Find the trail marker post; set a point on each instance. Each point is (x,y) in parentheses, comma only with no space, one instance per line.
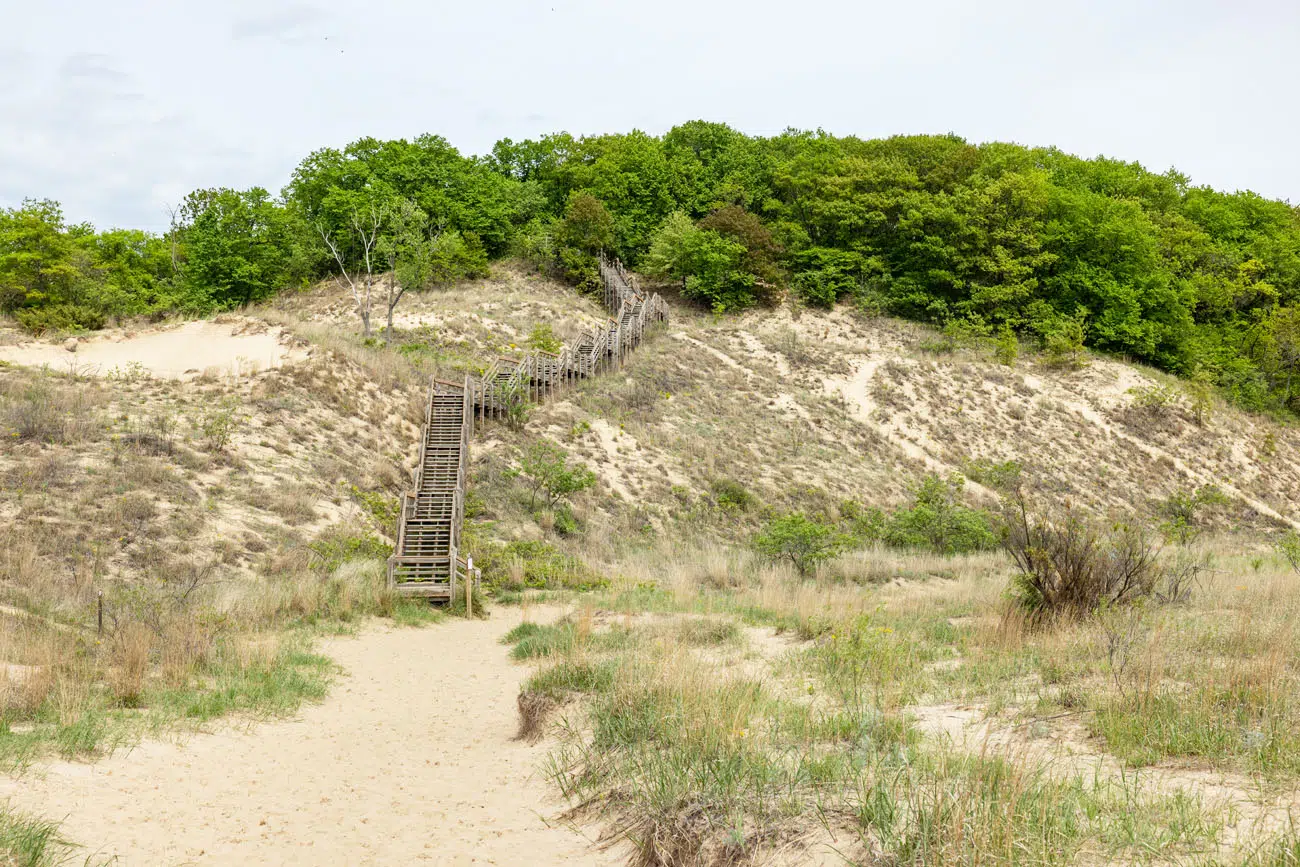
(469,586)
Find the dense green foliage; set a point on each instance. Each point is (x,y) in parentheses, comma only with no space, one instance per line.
(63,277)
(998,238)
(935,520)
(547,470)
(798,540)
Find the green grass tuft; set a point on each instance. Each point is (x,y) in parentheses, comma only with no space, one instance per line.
(27,842)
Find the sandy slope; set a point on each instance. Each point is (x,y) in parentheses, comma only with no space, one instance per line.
(189,348)
(409,760)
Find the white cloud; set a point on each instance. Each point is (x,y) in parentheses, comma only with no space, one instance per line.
(290,25)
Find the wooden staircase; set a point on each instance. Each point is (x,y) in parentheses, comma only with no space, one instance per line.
(426,561)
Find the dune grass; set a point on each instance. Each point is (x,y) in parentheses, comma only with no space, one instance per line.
(701,753)
(28,842)
(694,761)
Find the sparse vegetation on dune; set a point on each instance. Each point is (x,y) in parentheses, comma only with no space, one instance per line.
(167,545)
(711,753)
(802,615)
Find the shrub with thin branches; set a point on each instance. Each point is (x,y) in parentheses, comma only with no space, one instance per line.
(1071,567)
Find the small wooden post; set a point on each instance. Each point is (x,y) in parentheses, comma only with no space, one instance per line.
(101,612)
(469,586)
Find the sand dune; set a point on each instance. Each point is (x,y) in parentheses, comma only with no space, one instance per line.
(190,348)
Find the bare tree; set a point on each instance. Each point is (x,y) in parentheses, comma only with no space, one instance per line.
(409,250)
(364,225)
(173,235)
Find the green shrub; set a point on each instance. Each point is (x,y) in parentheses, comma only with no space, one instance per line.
(865,524)
(1000,476)
(799,540)
(938,522)
(1068,566)
(1289,547)
(543,337)
(1154,397)
(534,243)
(1183,509)
(383,507)
(535,564)
(59,318)
(1063,345)
(546,468)
(731,495)
(964,333)
(818,288)
(218,423)
(565,522)
(1200,394)
(337,545)
(1006,348)
(579,268)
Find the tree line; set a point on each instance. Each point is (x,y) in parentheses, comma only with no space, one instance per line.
(993,238)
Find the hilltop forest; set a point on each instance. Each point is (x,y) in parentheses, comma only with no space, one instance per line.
(993,239)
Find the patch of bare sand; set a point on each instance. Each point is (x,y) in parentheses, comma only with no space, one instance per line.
(410,760)
(190,348)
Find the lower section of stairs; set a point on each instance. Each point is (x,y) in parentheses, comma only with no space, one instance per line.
(426,562)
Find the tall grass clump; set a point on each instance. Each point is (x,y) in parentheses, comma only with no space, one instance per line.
(674,761)
(37,408)
(28,842)
(959,808)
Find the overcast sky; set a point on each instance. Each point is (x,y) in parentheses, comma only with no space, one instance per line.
(117,109)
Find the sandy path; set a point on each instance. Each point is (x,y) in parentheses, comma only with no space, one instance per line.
(409,760)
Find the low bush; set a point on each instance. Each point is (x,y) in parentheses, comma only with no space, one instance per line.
(1183,511)
(1289,547)
(543,337)
(338,545)
(799,540)
(1154,397)
(1071,567)
(59,318)
(731,495)
(546,469)
(938,522)
(1063,345)
(217,424)
(534,564)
